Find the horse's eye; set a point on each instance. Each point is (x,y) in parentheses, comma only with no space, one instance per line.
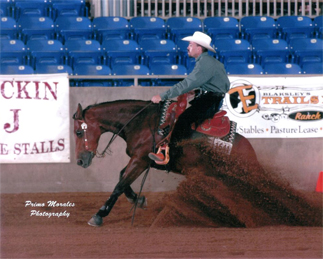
(79,134)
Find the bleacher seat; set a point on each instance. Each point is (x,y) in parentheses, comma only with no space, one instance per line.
(83,52)
(143,28)
(306,50)
(180,27)
(92,70)
(282,68)
(221,27)
(13,52)
(167,69)
(73,28)
(8,28)
(45,52)
(40,8)
(16,70)
(53,69)
(270,51)
(110,28)
(121,51)
(313,68)
(233,51)
(291,27)
(125,70)
(158,51)
(6,8)
(68,8)
(258,27)
(244,69)
(36,28)
(318,26)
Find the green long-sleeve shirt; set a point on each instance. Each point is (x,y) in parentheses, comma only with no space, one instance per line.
(208,74)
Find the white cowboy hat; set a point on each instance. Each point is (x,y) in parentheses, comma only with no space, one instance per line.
(201,39)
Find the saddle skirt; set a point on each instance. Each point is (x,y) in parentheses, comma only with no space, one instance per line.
(219,126)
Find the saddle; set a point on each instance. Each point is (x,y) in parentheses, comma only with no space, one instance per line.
(218,127)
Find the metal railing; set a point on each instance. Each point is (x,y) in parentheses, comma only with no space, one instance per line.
(205,8)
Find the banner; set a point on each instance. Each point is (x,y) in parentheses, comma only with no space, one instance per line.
(276,107)
(34,121)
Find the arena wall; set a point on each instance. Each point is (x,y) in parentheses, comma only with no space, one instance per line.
(299,161)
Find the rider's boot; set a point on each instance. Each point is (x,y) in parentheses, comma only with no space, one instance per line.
(156,157)
(159,156)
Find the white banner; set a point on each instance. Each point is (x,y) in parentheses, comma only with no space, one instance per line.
(34,121)
(276,107)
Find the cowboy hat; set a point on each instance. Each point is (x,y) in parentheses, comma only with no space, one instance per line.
(200,38)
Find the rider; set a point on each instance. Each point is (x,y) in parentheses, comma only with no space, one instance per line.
(208,79)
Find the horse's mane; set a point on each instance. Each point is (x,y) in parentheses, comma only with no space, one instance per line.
(141,102)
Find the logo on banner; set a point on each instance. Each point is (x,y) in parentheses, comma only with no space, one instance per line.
(276,107)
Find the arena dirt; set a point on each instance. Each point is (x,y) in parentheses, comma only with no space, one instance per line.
(225,209)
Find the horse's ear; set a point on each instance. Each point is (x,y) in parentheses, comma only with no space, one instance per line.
(79,113)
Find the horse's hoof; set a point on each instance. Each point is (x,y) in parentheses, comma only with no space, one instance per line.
(142,202)
(95,221)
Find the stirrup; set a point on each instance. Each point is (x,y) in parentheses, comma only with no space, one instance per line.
(165,148)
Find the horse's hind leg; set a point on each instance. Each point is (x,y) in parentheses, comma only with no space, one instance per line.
(132,196)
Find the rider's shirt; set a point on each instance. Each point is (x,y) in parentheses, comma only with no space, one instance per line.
(208,74)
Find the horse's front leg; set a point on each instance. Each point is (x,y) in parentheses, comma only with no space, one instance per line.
(133,170)
(132,196)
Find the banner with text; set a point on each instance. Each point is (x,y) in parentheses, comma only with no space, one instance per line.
(35,119)
(276,107)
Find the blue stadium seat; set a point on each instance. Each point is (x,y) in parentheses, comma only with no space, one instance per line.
(313,68)
(40,8)
(158,51)
(83,52)
(124,70)
(92,70)
(68,8)
(6,8)
(36,28)
(73,28)
(167,69)
(143,28)
(13,52)
(121,51)
(16,70)
(221,27)
(233,51)
(110,28)
(180,27)
(291,27)
(45,52)
(270,51)
(9,29)
(306,50)
(258,27)
(282,68)
(54,69)
(244,69)
(318,26)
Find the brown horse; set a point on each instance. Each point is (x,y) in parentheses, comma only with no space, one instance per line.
(136,122)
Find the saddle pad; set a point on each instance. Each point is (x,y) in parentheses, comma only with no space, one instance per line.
(218,126)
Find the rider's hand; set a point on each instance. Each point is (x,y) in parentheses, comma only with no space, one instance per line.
(156,99)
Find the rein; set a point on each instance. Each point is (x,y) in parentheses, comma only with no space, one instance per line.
(115,135)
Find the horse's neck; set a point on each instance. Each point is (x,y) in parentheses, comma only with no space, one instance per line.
(114,116)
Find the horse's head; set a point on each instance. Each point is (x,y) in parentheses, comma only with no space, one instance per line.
(87,134)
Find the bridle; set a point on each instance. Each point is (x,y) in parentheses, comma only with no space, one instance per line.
(84,128)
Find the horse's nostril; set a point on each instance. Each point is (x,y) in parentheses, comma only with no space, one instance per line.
(79,162)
